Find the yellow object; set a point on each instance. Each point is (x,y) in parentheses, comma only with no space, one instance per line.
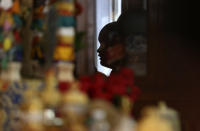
(35,104)
(2,17)
(50,94)
(2,118)
(6,16)
(66,6)
(74,108)
(65,72)
(9,17)
(64,53)
(74,96)
(66,39)
(126,105)
(34,109)
(154,124)
(159,118)
(7,44)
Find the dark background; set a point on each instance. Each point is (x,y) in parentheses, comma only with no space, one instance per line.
(173,60)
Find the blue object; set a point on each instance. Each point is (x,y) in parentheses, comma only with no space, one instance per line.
(17,20)
(16,53)
(66,21)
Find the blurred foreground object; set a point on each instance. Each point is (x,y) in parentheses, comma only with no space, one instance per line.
(126,123)
(102,116)
(159,118)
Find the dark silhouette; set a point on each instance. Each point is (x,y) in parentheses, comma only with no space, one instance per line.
(114,38)
(111,50)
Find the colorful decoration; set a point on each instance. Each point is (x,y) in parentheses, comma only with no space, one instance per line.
(10,25)
(65,33)
(64,56)
(11,98)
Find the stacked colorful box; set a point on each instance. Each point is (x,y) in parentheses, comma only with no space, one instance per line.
(65,47)
(64,50)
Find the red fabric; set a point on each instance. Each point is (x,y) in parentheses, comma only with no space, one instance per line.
(63,86)
(65,44)
(65,13)
(79,8)
(117,84)
(17,36)
(85,83)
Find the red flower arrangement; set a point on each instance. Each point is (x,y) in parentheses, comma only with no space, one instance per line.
(111,88)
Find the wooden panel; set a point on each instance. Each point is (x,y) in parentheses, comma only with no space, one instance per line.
(173,61)
(85,58)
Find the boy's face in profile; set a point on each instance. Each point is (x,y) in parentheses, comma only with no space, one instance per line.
(111,48)
(110,54)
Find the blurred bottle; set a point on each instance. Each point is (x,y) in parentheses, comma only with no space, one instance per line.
(126,123)
(159,118)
